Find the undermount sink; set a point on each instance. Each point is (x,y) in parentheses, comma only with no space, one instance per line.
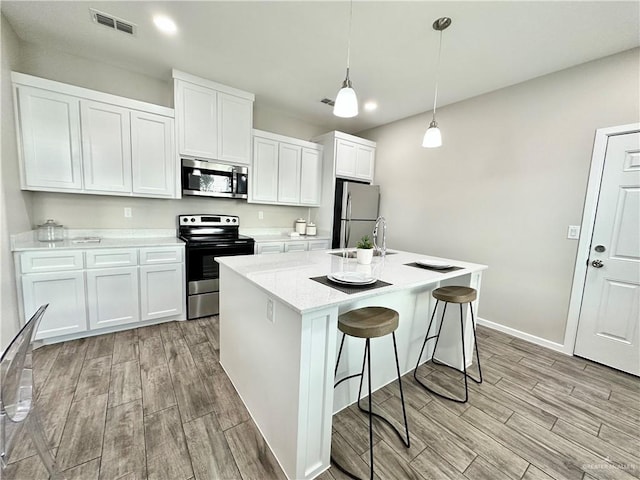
(352,253)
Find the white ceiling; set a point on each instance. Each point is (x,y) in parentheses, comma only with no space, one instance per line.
(293,54)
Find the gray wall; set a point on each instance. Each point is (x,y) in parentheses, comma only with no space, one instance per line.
(509,179)
(15,205)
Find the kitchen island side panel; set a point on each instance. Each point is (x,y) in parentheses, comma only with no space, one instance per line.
(282,370)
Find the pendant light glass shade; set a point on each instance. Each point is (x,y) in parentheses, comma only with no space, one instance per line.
(346,105)
(432,137)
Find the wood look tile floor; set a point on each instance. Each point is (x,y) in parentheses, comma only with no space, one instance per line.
(154,403)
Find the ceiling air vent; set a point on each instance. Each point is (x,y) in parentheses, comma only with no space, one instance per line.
(113,22)
(328,101)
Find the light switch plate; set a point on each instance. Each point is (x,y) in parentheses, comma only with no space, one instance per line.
(573,232)
(127,212)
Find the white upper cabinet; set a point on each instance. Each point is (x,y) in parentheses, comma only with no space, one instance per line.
(353,157)
(346,154)
(310,176)
(49,128)
(264,178)
(354,160)
(197,120)
(213,121)
(289,158)
(81,141)
(364,162)
(106,147)
(153,157)
(285,170)
(235,121)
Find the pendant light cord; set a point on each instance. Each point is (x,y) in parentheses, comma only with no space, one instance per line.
(349,37)
(435,95)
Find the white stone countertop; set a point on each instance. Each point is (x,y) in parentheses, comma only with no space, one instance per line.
(281,234)
(109,238)
(287,238)
(286,276)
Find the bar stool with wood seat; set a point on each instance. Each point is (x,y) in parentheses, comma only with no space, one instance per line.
(368,323)
(459,295)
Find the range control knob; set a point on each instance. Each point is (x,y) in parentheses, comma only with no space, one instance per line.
(193,219)
(228,220)
(235,220)
(185,220)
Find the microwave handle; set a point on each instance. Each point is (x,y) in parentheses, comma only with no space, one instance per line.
(234,180)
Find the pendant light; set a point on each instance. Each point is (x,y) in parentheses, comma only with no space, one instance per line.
(433,137)
(346,105)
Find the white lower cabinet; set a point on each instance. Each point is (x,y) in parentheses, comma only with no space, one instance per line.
(295,246)
(112,296)
(158,296)
(65,294)
(101,288)
(319,245)
(291,246)
(269,247)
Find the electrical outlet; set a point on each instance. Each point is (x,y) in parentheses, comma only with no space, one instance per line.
(270,308)
(127,212)
(574,232)
(260,215)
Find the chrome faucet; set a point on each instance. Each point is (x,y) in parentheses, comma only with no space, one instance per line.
(382,250)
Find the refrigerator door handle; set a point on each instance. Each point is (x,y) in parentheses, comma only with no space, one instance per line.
(347,233)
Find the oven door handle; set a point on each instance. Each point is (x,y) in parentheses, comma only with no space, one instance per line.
(220,246)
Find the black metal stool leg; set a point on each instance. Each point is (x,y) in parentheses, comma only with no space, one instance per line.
(366,363)
(435,347)
(368,347)
(335,372)
(464,359)
(338,362)
(407,442)
(475,343)
(426,339)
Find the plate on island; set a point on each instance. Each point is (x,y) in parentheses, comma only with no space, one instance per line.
(351,278)
(433,264)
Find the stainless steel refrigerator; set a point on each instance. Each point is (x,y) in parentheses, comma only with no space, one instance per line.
(355,211)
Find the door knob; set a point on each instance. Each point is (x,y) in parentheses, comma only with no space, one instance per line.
(599,248)
(597,264)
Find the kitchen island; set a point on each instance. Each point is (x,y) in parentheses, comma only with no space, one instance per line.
(279,337)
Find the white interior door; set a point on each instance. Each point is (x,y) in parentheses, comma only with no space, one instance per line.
(609,325)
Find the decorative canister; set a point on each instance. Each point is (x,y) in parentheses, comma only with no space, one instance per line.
(50,231)
(301,226)
(311,229)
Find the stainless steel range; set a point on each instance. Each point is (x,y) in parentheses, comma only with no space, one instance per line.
(207,237)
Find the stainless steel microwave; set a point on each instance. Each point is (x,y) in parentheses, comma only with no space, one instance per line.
(214,179)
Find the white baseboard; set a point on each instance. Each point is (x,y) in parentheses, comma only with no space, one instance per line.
(558,347)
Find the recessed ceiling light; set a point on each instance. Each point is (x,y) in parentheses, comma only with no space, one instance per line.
(370,106)
(165,24)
